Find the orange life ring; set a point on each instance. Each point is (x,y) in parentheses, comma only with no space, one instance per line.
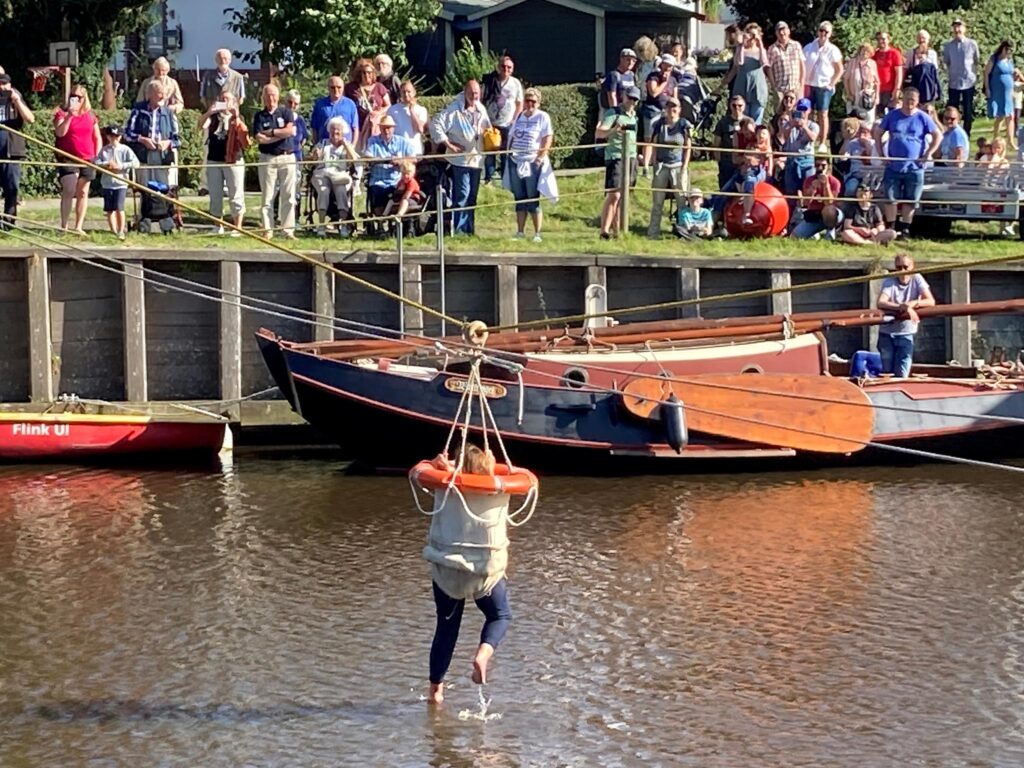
(514,482)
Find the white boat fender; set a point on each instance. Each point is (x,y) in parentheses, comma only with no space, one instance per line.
(673,417)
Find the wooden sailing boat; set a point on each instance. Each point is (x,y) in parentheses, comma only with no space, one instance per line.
(752,387)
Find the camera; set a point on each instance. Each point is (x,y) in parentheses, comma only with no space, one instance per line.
(629,127)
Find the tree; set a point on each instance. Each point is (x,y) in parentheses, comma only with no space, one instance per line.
(803,16)
(27,28)
(297,36)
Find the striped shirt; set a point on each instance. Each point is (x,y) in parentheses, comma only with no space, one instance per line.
(784,64)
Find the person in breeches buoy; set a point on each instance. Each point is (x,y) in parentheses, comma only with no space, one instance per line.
(468,554)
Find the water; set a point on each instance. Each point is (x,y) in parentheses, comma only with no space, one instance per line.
(278,614)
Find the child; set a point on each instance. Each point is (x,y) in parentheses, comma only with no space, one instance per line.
(468,560)
(408,190)
(695,220)
(119,160)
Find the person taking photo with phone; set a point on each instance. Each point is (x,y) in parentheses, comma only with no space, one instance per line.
(78,133)
(14,113)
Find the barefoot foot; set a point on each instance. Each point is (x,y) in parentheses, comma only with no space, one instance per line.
(436,695)
(483,657)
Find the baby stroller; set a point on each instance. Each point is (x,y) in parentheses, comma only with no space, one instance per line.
(434,182)
(159,211)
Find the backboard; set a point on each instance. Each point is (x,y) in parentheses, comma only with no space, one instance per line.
(64,54)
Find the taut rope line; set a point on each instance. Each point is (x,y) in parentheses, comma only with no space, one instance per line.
(247,233)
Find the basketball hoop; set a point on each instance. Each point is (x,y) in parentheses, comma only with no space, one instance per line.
(40,76)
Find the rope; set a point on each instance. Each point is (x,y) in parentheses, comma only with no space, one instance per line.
(756,293)
(228,225)
(813,433)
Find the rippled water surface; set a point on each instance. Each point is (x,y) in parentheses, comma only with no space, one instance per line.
(278,613)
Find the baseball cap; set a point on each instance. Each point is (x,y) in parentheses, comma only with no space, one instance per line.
(958,22)
(632,93)
(667,58)
(804,105)
(782,25)
(695,192)
(111,130)
(387,120)
(628,52)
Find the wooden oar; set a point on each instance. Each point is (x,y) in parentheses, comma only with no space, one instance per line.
(763,409)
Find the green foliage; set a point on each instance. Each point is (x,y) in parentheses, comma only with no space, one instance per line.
(27,27)
(41,180)
(988,22)
(468,63)
(803,16)
(297,34)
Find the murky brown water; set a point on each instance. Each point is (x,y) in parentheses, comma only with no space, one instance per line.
(278,614)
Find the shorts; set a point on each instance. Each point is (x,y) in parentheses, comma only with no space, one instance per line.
(82,171)
(613,174)
(113,199)
(903,185)
(820,98)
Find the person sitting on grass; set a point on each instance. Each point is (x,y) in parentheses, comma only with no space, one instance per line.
(694,221)
(483,581)
(406,193)
(120,161)
(863,222)
(818,200)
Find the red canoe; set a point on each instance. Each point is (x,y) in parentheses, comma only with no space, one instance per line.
(70,436)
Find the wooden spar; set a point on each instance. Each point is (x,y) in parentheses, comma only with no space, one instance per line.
(766,409)
(669,330)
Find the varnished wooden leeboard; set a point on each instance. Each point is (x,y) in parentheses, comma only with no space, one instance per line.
(807,413)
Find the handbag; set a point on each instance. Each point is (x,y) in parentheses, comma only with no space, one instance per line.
(491,139)
(866,98)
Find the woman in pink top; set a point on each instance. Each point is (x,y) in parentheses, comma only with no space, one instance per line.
(78,134)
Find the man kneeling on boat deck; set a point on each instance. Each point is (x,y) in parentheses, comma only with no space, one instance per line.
(902,295)
(468,556)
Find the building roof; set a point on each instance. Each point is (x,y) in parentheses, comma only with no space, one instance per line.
(452,8)
(597,7)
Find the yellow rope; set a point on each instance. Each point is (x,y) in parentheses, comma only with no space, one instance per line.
(247,233)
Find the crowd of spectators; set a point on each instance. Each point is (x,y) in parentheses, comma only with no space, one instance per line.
(367,132)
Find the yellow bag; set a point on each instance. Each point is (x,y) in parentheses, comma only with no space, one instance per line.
(491,140)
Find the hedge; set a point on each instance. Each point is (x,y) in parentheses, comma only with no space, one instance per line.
(41,180)
(988,22)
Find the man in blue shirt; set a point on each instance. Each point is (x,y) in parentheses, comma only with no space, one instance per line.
(618,80)
(913,139)
(390,150)
(335,104)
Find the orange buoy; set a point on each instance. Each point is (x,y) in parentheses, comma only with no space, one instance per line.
(511,481)
(770,213)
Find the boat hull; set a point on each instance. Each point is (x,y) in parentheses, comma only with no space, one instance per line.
(387,415)
(72,436)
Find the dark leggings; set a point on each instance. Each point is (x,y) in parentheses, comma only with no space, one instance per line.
(449,617)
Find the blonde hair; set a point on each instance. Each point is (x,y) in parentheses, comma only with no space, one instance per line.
(408,166)
(478,461)
(532,93)
(867,49)
(925,34)
(645,48)
(84,95)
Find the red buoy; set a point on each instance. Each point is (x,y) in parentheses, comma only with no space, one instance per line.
(770,213)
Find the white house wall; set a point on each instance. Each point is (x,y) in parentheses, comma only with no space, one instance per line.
(204,31)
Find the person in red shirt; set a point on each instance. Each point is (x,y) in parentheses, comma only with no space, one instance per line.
(407,192)
(818,198)
(890,73)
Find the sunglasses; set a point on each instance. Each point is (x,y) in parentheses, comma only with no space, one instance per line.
(529,101)
(820,167)
(735,103)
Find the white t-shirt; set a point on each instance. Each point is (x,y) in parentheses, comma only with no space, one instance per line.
(526,134)
(820,64)
(503,108)
(404,127)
